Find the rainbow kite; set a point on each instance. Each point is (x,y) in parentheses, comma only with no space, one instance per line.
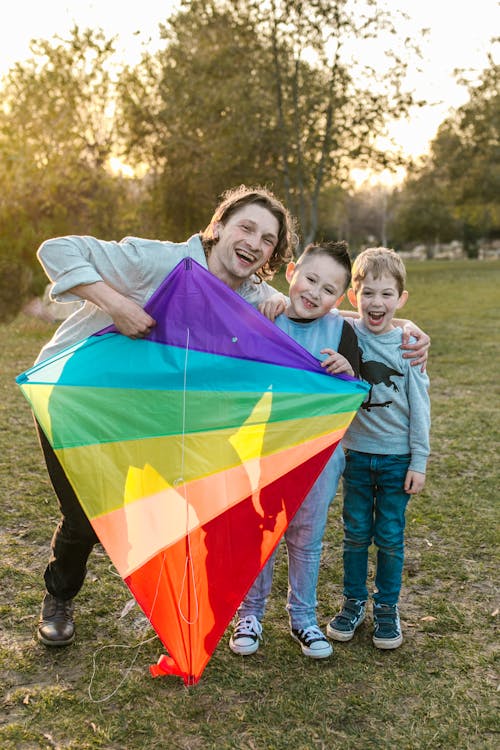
(190,451)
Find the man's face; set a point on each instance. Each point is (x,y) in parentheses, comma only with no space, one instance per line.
(245,242)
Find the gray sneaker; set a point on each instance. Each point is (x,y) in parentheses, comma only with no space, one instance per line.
(246,636)
(343,625)
(387,626)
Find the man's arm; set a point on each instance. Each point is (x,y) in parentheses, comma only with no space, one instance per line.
(128,317)
(418,350)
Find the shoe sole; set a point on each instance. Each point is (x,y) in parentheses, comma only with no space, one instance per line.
(339,635)
(387,643)
(243,650)
(55,644)
(310,652)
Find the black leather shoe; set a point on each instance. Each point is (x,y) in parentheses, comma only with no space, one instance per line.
(56,626)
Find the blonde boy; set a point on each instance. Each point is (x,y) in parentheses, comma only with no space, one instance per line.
(387,446)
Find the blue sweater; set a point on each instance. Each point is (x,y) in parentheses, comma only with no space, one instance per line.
(395,418)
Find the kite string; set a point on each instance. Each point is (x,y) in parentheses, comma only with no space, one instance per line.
(126,673)
(119,645)
(188,566)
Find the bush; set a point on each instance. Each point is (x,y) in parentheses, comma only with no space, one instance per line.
(15,286)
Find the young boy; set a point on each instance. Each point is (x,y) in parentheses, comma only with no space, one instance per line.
(387,446)
(318,281)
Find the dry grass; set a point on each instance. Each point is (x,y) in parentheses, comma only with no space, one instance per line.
(439,690)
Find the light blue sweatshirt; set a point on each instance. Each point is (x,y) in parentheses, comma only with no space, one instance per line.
(314,335)
(134,267)
(395,418)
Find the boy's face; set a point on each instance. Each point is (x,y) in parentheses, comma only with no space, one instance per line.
(377,301)
(317,285)
(245,242)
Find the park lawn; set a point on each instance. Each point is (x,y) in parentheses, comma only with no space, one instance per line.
(439,690)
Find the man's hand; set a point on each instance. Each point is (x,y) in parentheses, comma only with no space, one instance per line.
(128,317)
(418,351)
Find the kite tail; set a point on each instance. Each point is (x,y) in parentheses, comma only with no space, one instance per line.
(166,666)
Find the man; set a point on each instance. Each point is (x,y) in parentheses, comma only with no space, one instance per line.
(249,237)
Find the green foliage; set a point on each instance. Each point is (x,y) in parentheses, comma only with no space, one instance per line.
(454,195)
(15,286)
(439,690)
(199,114)
(259,93)
(56,135)
(421,211)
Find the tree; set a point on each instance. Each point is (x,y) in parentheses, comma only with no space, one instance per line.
(331,106)
(454,192)
(466,154)
(260,92)
(197,114)
(56,136)
(420,210)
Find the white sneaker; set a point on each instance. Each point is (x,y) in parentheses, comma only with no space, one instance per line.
(313,642)
(246,636)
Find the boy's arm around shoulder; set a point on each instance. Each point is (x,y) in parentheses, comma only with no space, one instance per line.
(416,348)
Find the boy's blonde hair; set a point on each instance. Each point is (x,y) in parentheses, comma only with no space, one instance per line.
(378,261)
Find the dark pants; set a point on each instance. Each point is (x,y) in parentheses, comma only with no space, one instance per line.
(74,536)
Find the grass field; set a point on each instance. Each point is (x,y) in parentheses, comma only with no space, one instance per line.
(439,690)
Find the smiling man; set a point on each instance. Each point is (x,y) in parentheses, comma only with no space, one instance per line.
(249,236)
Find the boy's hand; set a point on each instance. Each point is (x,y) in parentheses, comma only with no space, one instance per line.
(419,350)
(335,363)
(414,482)
(273,306)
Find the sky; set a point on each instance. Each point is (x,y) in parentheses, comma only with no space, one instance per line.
(459,37)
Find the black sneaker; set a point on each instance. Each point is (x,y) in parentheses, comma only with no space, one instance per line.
(387,632)
(56,626)
(246,636)
(343,625)
(312,642)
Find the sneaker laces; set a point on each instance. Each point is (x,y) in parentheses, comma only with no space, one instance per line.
(248,626)
(311,634)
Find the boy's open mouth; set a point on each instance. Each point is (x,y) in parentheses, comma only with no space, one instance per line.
(376,317)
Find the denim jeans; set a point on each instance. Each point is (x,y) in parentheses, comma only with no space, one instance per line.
(374,511)
(304,541)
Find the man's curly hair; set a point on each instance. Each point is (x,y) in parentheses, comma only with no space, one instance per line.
(236,198)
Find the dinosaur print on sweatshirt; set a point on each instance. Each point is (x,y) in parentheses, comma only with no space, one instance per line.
(375,373)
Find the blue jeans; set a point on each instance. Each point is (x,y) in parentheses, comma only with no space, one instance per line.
(304,541)
(374,511)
